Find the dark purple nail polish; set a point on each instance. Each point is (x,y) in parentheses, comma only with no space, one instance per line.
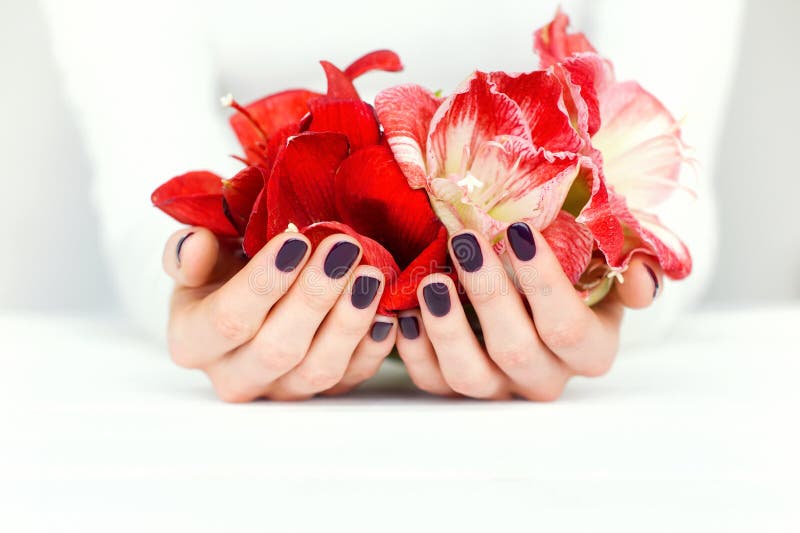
(654,278)
(409,327)
(290,254)
(180,245)
(340,259)
(364,290)
(521,240)
(380,330)
(468,251)
(437,298)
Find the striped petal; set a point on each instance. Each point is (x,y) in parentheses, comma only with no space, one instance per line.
(572,244)
(405,112)
(468,119)
(553,43)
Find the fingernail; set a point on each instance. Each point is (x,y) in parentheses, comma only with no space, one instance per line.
(467,251)
(655,280)
(180,245)
(521,240)
(437,298)
(380,330)
(364,290)
(409,327)
(340,259)
(290,254)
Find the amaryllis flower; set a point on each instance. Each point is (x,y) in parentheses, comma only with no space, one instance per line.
(636,147)
(500,150)
(315,162)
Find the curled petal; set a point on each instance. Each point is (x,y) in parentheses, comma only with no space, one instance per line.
(340,84)
(584,77)
(590,198)
(255,235)
(571,243)
(372,252)
(301,188)
(641,145)
(467,120)
(645,233)
(553,43)
(265,117)
(539,96)
(195,198)
(385,60)
(353,118)
(240,193)
(374,198)
(406,112)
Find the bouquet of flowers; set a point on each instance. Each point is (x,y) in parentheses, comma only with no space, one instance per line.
(566,148)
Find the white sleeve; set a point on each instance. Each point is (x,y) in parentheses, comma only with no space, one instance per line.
(684,52)
(143,86)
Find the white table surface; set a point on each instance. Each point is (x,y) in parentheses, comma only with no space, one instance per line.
(101,433)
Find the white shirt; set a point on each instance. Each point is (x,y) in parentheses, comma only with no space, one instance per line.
(145,79)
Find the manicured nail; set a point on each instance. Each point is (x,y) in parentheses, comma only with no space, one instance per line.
(290,254)
(437,298)
(467,251)
(521,240)
(364,290)
(654,278)
(180,245)
(409,327)
(340,259)
(380,330)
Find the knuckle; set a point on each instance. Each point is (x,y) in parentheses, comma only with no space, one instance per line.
(180,354)
(279,358)
(317,301)
(595,367)
(547,392)
(467,386)
(445,335)
(349,327)
(565,335)
(231,326)
(511,356)
(232,392)
(319,379)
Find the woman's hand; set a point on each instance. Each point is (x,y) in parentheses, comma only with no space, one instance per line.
(288,324)
(527,354)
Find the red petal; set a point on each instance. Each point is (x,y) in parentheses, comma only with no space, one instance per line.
(300,190)
(195,198)
(339,84)
(377,60)
(405,112)
(596,213)
(271,113)
(353,118)
(571,243)
(375,199)
(373,253)
(553,43)
(255,235)
(467,120)
(402,294)
(539,96)
(240,193)
(584,77)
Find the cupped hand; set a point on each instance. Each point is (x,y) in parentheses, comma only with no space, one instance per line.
(538,333)
(288,324)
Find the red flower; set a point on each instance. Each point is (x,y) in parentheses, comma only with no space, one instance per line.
(317,162)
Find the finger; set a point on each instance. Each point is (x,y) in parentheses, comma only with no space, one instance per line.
(190,256)
(337,338)
(564,322)
(285,337)
(369,355)
(203,331)
(417,354)
(509,334)
(641,284)
(465,366)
